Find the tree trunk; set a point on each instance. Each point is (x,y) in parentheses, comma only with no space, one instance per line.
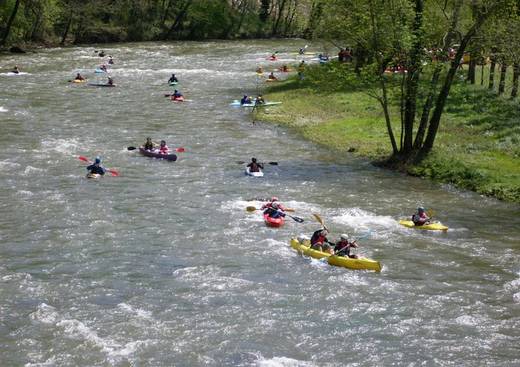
(516,76)
(502,83)
(384,105)
(67,29)
(281,8)
(179,19)
(482,73)
(472,67)
(10,23)
(412,79)
(492,66)
(445,90)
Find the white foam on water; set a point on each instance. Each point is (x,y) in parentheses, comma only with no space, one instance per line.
(15,74)
(45,314)
(30,170)
(51,362)
(364,220)
(63,146)
(282,362)
(2,109)
(467,320)
(5,165)
(139,312)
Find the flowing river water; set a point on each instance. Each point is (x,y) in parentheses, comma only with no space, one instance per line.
(162,266)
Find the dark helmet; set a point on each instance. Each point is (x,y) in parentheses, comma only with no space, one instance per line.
(253,160)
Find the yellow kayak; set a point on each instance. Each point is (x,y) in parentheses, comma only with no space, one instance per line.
(93,176)
(362,263)
(437,226)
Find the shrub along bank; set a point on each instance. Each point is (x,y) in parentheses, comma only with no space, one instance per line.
(477,147)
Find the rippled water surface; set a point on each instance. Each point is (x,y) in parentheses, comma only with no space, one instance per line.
(163,266)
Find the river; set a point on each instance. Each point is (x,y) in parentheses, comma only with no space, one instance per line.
(163,266)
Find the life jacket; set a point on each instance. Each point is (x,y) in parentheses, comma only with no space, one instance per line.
(164,150)
(317,237)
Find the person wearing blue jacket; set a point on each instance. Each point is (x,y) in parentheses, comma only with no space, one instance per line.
(96,167)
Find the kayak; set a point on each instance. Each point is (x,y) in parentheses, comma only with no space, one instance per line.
(169,157)
(270,58)
(284,71)
(273,222)
(254,174)
(271,80)
(236,103)
(437,226)
(361,263)
(78,81)
(100,71)
(173,83)
(101,85)
(93,176)
(178,99)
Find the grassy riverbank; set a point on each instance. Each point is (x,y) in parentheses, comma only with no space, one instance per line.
(477,147)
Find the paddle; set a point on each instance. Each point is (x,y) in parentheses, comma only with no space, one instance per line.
(252,208)
(112,171)
(320,220)
(271,163)
(296,219)
(179,150)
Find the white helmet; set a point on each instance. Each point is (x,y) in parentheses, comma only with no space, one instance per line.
(274,205)
(344,236)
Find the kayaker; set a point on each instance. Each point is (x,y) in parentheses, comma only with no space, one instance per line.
(259,99)
(320,242)
(15,70)
(96,167)
(79,77)
(254,166)
(272,77)
(173,79)
(245,100)
(284,69)
(110,81)
(177,96)
(259,70)
(301,51)
(101,54)
(420,218)
(274,210)
(274,200)
(110,60)
(103,67)
(272,57)
(344,245)
(149,144)
(163,148)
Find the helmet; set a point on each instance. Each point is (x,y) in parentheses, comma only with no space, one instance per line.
(253,160)
(324,232)
(274,205)
(97,160)
(163,142)
(274,198)
(420,209)
(344,236)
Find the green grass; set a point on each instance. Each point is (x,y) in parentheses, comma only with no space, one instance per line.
(477,147)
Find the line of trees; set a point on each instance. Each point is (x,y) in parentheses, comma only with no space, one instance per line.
(88,21)
(426,41)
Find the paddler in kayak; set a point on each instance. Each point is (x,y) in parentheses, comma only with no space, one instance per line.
(79,77)
(259,70)
(320,242)
(420,218)
(177,96)
(103,68)
(274,210)
(96,167)
(271,76)
(344,245)
(15,70)
(149,144)
(110,60)
(259,100)
(254,166)
(163,148)
(246,100)
(173,79)
(110,81)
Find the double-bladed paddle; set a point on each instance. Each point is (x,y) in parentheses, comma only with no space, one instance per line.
(296,219)
(271,163)
(179,150)
(112,171)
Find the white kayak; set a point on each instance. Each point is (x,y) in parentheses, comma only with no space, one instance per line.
(254,174)
(236,103)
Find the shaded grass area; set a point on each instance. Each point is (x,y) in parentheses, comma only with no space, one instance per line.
(477,147)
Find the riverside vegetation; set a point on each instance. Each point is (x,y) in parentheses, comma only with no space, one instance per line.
(477,147)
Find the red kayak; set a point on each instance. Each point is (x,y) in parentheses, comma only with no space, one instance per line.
(149,153)
(273,222)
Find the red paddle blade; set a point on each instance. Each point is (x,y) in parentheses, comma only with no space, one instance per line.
(180,150)
(84,159)
(113,172)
